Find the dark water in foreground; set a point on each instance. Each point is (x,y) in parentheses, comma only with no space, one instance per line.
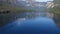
(39,25)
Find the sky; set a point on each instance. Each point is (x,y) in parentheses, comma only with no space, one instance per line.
(43,0)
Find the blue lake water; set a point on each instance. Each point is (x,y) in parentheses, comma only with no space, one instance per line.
(39,25)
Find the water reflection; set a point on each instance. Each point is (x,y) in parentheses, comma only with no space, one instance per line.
(37,25)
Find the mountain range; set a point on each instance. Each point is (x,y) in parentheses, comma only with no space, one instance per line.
(38,6)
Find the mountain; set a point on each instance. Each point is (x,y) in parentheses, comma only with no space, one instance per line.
(38,6)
